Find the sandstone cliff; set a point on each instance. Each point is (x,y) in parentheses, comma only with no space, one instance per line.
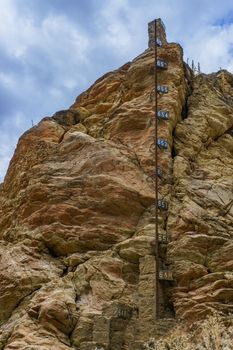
(77,212)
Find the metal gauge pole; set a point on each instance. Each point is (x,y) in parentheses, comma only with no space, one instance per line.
(156,179)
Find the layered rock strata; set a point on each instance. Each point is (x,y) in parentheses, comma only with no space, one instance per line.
(77,223)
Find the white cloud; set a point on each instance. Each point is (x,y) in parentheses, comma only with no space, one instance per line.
(62,45)
(53,50)
(193,23)
(212,48)
(116,20)
(7,80)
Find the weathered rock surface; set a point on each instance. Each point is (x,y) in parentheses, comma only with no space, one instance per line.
(77,212)
(201,214)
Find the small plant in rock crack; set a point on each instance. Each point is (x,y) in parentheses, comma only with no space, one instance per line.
(211,334)
(177,341)
(215,335)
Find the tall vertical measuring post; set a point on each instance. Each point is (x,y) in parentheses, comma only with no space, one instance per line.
(156,177)
(161,272)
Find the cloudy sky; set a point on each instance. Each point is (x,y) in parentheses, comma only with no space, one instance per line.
(52,50)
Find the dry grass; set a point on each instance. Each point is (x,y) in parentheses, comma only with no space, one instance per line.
(210,334)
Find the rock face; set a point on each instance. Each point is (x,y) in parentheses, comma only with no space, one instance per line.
(201,214)
(77,212)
